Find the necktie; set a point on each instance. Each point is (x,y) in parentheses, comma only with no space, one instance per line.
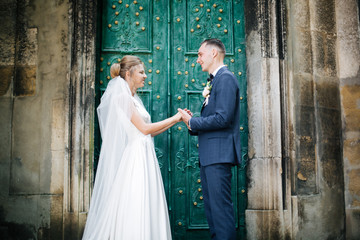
(211,77)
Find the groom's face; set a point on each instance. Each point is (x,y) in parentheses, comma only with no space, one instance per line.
(205,57)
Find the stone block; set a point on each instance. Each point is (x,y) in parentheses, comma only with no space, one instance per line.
(305,121)
(28,47)
(303,89)
(27,146)
(331,164)
(329,123)
(350,97)
(263,225)
(263,90)
(56,218)
(299,12)
(324,54)
(352,224)
(354,187)
(347,17)
(6,75)
(306,176)
(302,51)
(7,32)
(26,215)
(5,129)
(57,172)
(349,56)
(25,81)
(264,187)
(327,93)
(4,180)
(352,151)
(322,15)
(351,119)
(58,124)
(320,216)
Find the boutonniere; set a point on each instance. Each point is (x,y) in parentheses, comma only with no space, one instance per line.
(206,92)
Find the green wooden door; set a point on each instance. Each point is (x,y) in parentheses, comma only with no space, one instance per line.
(166,36)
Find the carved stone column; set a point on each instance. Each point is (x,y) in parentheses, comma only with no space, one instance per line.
(78,164)
(265,202)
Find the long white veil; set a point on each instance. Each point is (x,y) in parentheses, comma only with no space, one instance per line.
(114,113)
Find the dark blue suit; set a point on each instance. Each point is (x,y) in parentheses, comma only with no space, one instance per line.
(219,149)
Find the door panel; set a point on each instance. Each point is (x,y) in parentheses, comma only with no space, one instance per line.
(193,21)
(136,28)
(166,36)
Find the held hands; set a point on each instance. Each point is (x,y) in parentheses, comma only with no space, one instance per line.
(186,115)
(178,117)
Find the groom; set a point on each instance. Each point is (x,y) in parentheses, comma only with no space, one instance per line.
(219,138)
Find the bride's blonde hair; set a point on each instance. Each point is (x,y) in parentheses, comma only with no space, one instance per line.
(128,63)
(115,70)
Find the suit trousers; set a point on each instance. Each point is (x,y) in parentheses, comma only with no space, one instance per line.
(219,209)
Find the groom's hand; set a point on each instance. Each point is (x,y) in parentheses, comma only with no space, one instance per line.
(185,116)
(188,111)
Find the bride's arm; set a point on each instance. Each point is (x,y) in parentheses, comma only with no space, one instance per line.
(162,130)
(154,128)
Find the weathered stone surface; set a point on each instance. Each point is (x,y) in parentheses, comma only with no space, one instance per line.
(319,217)
(322,14)
(348,56)
(299,12)
(347,20)
(351,111)
(25,81)
(56,220)
(26,154)
(265,92)
(5,145)
(6,75)
(27,47)
(268,220)
(324,54)
(264,192)
(332,167)
(7,32)
(329,124)
(304,87)
(302,60)
(350,97)
(352,151)
(327,93)
(352,224)
(354,187)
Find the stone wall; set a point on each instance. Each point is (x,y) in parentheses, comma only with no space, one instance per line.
(34,83)
(348,31)
(317,177)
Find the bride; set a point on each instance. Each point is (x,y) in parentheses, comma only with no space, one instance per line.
(128,201)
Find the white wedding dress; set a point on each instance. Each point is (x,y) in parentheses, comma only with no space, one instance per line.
(128,200)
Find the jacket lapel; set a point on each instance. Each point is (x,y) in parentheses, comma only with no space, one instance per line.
(221,70)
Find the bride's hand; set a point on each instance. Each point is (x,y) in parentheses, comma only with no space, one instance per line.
(178,117)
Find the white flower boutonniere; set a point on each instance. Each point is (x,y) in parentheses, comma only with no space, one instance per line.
(206,92)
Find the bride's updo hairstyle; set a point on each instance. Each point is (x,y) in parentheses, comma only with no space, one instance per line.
(128,63)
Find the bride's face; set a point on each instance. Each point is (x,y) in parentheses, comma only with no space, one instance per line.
(138,76)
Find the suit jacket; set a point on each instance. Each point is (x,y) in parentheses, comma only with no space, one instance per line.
(218,126)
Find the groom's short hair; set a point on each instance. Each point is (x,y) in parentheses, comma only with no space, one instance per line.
(214,42)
